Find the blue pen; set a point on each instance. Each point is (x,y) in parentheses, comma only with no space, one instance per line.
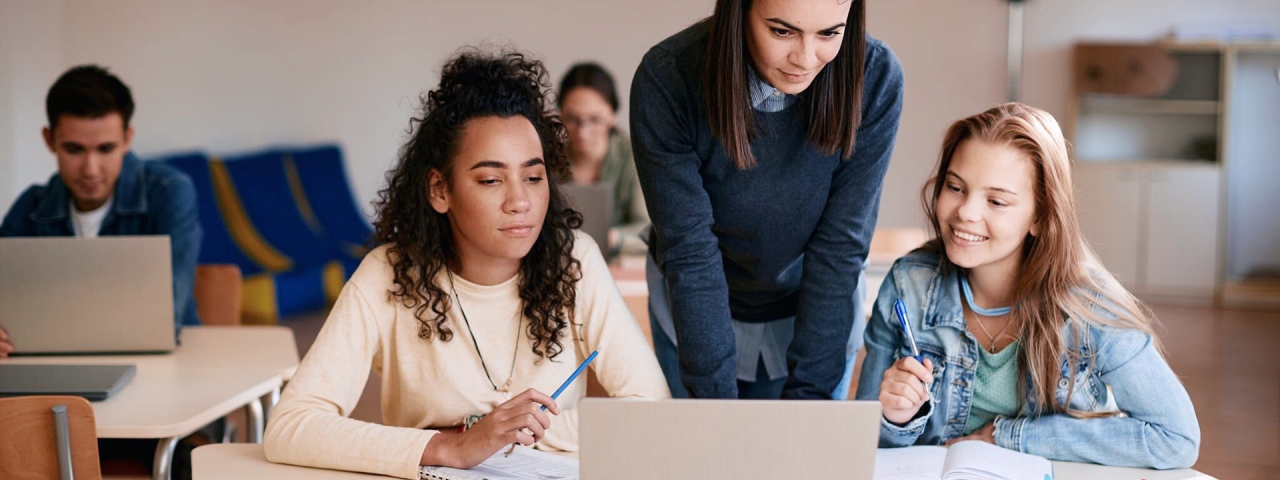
(575,375)
(901,309)
(562,387)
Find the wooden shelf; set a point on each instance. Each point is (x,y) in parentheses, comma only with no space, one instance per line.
(1149,106)
(1149,162)
(1257,47)
(1211,46)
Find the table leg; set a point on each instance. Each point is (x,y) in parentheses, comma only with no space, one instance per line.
(255,420)
(161,468)
(273,399)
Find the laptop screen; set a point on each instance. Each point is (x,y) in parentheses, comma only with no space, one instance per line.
(595,203)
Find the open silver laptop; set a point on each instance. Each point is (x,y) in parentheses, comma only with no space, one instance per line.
(626,439)
(87,295)
(595,203)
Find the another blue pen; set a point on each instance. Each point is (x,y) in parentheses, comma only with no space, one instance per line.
(901,309)
(575,375)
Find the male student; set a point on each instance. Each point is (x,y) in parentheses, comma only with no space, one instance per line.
(101,188)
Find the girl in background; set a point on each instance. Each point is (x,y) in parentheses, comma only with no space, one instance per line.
(600,153)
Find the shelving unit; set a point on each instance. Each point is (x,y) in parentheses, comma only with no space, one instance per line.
(1177,193)
(1147,106)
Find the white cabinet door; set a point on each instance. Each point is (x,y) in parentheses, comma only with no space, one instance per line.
(1109,199)
(1182,228)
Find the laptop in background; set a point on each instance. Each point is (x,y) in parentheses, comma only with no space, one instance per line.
(595,203)
(93,382)
(64,295)
(633,439)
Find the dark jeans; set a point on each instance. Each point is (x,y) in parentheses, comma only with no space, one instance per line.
(669,359)
(762,388)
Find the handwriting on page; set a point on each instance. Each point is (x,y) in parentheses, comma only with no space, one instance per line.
(526,463)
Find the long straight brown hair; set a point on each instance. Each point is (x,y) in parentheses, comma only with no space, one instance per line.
(1060,274)
(833,101)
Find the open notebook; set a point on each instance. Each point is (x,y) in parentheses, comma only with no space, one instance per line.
(972,460)
(524,463)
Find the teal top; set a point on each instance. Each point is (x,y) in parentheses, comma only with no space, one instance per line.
(995,387)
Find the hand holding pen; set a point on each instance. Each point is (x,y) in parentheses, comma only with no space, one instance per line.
(560,390)
(523,419)
(903,390)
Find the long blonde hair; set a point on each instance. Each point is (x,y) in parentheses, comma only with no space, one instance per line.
(1061,276)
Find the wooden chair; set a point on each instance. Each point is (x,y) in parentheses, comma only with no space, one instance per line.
(217,294)
(28,444)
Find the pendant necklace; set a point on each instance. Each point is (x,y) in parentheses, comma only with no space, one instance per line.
(979,312)
(505,386)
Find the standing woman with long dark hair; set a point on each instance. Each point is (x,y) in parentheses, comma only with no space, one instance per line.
(762,136)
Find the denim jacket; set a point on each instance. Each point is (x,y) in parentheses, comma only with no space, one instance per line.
(1158,426)
(150,198)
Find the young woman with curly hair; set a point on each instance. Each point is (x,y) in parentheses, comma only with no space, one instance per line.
(478,300)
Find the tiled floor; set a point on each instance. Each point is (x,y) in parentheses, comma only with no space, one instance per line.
(1224,357)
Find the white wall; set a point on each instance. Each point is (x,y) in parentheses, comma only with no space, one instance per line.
(954,55)
(31,58)
(231,76)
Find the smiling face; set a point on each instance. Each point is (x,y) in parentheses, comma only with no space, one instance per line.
(987,206)
(90,155)
(496,197)
(791,40)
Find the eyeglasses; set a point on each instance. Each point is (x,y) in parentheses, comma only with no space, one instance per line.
(588,122)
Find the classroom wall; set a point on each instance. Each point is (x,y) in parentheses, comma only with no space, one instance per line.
(31,58)
(230,76)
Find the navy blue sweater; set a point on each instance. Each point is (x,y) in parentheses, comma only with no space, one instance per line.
(786,238)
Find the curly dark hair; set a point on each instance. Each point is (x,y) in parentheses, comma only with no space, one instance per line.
(420,241)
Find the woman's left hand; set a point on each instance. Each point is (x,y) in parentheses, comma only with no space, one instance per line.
(986,434)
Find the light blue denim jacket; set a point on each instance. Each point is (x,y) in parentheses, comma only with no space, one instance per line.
(1158,427)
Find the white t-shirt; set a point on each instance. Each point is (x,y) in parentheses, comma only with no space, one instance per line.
(87,224)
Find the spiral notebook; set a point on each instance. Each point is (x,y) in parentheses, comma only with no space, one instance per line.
(972,460)
(524,463)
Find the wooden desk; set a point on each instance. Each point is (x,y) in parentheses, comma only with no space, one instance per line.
(215,371)
(236,461)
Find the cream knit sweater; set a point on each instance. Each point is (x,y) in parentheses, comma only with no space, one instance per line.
(430,384)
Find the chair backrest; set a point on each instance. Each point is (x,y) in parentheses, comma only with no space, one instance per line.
(217,293)
(28,444)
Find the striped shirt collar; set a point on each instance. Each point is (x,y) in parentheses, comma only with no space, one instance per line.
(765,98)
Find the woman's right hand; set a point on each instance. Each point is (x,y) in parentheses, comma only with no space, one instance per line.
(503,426)
(902,391)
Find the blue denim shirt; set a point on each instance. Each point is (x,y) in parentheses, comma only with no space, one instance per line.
(1158,426)
(150,198)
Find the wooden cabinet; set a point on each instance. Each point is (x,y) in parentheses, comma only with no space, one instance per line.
(1108,202)
(1182,225)
(1154,225)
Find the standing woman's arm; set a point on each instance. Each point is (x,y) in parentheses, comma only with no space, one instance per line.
(835,254)
(663,132)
